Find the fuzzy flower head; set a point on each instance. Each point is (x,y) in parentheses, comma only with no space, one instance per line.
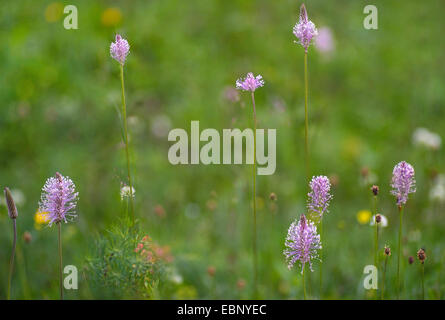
(305,29)
(302,243)
(126,192)
(319,196)
(59,199)
(119,49)
(403,182)
(250,82)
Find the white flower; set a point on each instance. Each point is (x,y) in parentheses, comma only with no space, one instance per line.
(426,138)
(125,192)
(383,223)
(437,192)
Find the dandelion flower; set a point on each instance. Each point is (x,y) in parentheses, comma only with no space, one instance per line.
(319,196)
(250,82)
(302,243)
(403,182)
(119,49)
(59,199)
(305,29)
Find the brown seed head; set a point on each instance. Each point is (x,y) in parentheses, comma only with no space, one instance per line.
(387,251)
(211,271)
(375,190)
(411,260)
(12,209)
(273,196)
(378,218)
(27,237)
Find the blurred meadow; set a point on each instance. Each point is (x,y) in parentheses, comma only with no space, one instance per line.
(369,93)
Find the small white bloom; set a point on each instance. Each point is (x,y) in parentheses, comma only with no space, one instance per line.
(437,192)
(383,223)
(426,138)
(125,192)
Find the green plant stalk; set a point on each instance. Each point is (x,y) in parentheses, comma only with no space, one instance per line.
(423,281)
(11,261)
(304,284)
(255,255)
(321,256)
(376,238)
(384,278)
(59,233)
(127,154)
(399,253)
(306,120)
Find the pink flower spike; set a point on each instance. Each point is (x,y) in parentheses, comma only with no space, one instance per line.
(119,49)
(250,82)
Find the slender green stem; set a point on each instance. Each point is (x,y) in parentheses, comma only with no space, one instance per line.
(384,277)
(59,229)
(399,253)
(11,262)
(255,255)
(321,257)
(306,121)
(423,281)
(376,239)
(304,284)
(124,115)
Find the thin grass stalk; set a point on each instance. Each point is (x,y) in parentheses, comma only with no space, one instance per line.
(11,261)
(255,254)
(321,257)
(124,115)
(399,253)
(59,236)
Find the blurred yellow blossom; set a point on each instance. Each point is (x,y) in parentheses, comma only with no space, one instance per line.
(40,218)
(53,12)
(364,216)
(111,17)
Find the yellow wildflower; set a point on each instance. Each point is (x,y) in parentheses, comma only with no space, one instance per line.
(40,218)
(364,216)
(111,17)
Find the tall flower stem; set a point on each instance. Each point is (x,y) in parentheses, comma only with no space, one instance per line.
(306,120)
(321,259)
(59,236)
(423,281)
(384,277)
(11,262)
(124,115)
(255,255)
(304,284)
(376,236)
(399,253)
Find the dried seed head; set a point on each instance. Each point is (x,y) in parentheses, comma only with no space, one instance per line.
(273,196)
(387,251)
(411,260)
(375,190)
(378,218)
(12,209)
(421,255)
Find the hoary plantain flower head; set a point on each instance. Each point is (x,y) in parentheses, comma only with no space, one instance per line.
(59,199)
(119,49)
(302,243)
(305,29)
(250,82)
(403,182)
(319,196)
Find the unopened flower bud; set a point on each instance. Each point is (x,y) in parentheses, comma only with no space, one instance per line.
(411,260)
(27,237)
(421,255)
(211,271)
(273,196)
(387,251)
(12,209)
(375,190)
(378,218)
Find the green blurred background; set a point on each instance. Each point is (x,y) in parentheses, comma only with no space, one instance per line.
(369,91)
